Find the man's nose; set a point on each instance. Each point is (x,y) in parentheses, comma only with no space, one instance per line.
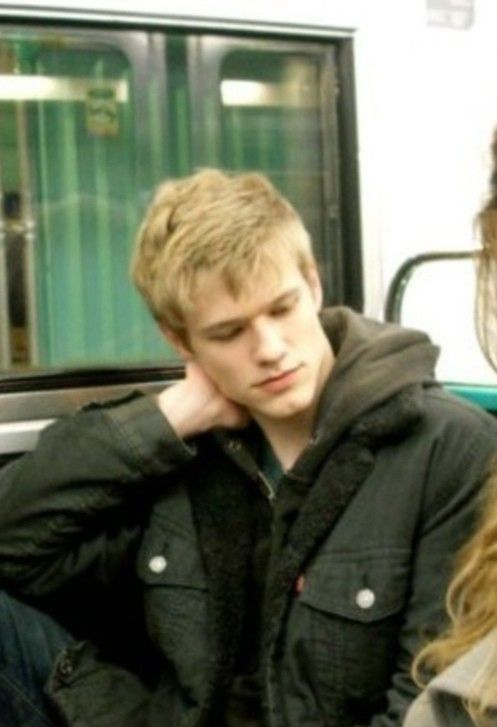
(269,343)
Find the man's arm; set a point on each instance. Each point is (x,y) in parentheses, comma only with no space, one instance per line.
(77,502)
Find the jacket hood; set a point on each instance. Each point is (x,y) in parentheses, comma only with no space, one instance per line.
(374,361)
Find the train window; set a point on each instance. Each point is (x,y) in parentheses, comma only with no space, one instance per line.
(92,120)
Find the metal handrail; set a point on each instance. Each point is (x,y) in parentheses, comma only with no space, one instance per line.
(397,287)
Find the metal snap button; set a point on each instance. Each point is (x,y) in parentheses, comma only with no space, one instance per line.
(65,667)
(365,598)
(157,564)
(234,445)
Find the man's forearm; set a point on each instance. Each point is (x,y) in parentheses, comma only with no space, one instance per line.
(97,461)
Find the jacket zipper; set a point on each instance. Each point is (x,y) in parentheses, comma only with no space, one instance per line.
(268,490)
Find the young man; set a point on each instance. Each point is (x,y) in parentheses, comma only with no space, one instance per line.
(268,540)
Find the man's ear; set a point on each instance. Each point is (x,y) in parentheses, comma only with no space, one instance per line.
(179,344)
(314,282)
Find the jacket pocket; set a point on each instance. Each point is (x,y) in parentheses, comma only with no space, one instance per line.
(363,587)
(343,629)
(170,559)
(170,569)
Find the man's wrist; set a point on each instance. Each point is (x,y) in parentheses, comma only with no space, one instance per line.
(184,415)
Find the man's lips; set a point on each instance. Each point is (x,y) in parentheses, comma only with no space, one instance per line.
(278,381)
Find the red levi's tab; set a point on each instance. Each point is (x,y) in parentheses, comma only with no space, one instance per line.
(300,584)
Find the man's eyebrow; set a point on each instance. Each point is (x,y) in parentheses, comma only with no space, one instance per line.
(223,325)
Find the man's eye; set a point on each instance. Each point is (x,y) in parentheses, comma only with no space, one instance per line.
(282,310)
(226,335)
(285,307)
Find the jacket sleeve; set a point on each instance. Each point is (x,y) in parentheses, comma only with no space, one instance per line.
(75,504)
(451,479)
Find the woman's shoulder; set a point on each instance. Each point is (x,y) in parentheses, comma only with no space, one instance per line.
(441,703)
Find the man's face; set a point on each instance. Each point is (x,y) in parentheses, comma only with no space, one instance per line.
(265,349)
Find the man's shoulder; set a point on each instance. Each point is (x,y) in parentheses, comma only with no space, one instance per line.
(465,432)
(441,405)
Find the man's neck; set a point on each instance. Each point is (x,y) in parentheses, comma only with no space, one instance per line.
(288,439)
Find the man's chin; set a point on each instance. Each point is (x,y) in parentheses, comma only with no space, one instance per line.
(284,407)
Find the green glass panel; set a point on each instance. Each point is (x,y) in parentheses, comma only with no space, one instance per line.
(271,120)
(87,198)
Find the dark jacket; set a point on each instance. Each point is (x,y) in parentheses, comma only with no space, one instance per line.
(364,529)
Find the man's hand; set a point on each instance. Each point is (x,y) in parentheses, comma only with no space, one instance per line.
(195,405)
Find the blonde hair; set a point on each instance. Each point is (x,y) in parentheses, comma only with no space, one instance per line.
(239,225)
(486,299)
(472,609)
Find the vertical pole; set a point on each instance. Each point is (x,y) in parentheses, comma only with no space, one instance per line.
(29,227)
(5,352)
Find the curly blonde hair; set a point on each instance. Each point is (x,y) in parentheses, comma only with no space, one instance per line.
(472,610)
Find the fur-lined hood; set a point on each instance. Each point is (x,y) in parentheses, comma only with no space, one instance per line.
(374,362)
